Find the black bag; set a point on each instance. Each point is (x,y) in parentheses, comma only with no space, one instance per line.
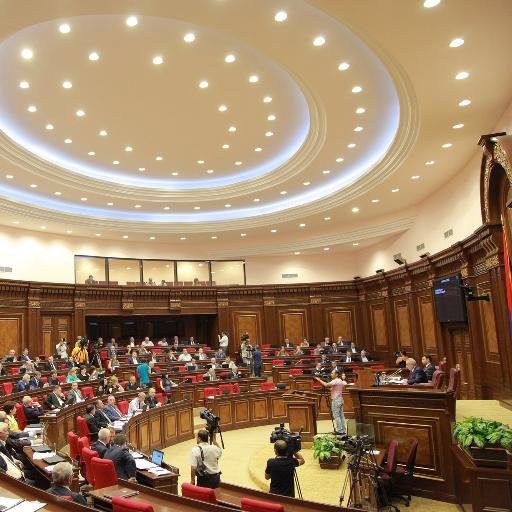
(201,468)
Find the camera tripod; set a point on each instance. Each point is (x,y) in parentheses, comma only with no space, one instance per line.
(297,484)
(212,431)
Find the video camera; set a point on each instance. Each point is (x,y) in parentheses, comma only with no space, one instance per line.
(84,342)
(323,375)
(354,444)
(212,421)
(293,439)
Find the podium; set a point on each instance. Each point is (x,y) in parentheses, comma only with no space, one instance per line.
(301,407)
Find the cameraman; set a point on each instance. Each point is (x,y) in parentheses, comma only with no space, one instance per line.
(336,385)
(206,456)
(280,469)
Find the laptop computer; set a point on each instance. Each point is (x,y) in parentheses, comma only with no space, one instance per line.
(157,457)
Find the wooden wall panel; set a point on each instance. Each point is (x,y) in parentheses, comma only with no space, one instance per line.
(403,325)
(488,325)
(247,321)
(379,327)
(464,359)
(428,332)
(10,334)
(341,324)
(293,326)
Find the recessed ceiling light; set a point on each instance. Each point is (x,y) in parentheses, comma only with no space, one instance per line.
(159,158)
(319,41)
(355,209)
(238,162)
(49,126)
(232,129)
(464,103)
(68,141)
(447,145)
(152,237)
(91,153)
(351,145)
(462,75)
(27,53)
(99,234)
(258,149)
(256,200)
(253,79)
(431,3)
(94,56)
(67,84)
(343,66)
(395,190)
(200,162)
(356,89)
(167,207)
(222,108)
(213,237)
(458,126)
(267,99)
(355,244)
(131,21)
(296,253)
(110,204)
(83,199)
(327,218)
(430,162)
(307,183)
(415,177)
(58,193)
(327,248)
(209,171)
(455,43)
(115,162)
(243,234)
(273,230)
(125,236)
(32,108)
(360,110)
(283,192)
(229,58)
(190,37)
(128,149)
(174,173)
(9,176)
(281,16)
(197,207)
(271,117)
(269,134)
(375,200)
(302,225)
(225,146)
(24,84)
(340,159)
(138,206)
(227,205)
(33,185)
(157,60)
(203,84)
(69,231)
(326,171)
(15,221)
(358,129)
(183,238)
(64,28)
(43,227)
(103,133)
(80,113)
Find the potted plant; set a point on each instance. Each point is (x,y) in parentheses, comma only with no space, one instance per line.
(486,441)
(325,450)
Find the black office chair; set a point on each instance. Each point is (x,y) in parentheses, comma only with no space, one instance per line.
(402,478)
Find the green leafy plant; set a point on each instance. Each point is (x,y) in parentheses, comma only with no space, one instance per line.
(482,432)
(324,445)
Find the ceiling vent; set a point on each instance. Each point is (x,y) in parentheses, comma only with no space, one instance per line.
(289,276)
(449,233)
(5,269)
(420,247)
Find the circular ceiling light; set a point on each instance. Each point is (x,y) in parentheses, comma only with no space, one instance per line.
(326,171)
(225,146)
(83,199)
(375,200)
(24,84)
(271,117)
(395,190)
(447,145)
(94,56)
(269,134)
(360,110)
(458,126)
(327,248)
(167,207)
(80,113)
(253,79)
(357,89)
(32,108)
(64,28)
(152,237)
(213,237)
(431,3)
(327,218)
(9,176)
(174,173)
(223,108)
(67,84)
(200,162)
(33,185)
(355,244)
(319,41)
(430,162)
(209,171)
(115,162)
(125,236)
(267,99)
(227,205)
(283,192)
(258,150)
(159,158)
(229,58)
(343,66)
(103,133)
(302,225)
(197,207)
(110,204)
(307,183)
(462,75)
(157,60)
(358,129)
(351,145)
(91,153)
(232,129)
(27,53)
(464,103)
(415,177)
(281,16)
(138,206)
(296,253)
(58,193)
(203,84)
(142,169)
(256,200)
(243,234)
(190,37)
(132,21)
(49,126)
(273,230)
(43,227)
(128,149)
(339,159)
(238,162)
(455,43)
(68,141)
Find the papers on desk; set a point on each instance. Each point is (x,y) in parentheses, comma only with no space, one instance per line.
(33,430)
(158,471)
(119,424)
(28,506)
(43,455)
(7,503)
(144,464)
(136,455)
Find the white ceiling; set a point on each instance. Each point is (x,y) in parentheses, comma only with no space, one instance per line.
(398,52)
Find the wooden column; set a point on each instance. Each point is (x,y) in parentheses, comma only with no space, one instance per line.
(34,341)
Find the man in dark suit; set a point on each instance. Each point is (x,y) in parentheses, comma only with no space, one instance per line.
(417,375)
(56,399)
(100,414)
(8,455)
(75,395)
(111,409)
(103,443)
(50,365)
(119,454)
(32,410)
(350,358)
(53,380)
(36,382)
(24,383)
(233,373)
(151,400)
(92,422)
(62,476)
(11,357)
(428,367)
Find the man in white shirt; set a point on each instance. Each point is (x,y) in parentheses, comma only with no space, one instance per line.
(224,342)
(147,342)
(185,356)
(75,395)
(137,404)
(209,455)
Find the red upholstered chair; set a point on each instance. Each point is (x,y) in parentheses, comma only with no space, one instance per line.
(389,469)
(87,392)
(296,371)
(403,475)
(266,346)
(315,385)
(7,387)
(67,498)
(377,367)
(278,362)
(61,379)
(198,493)
(103,472)
(236,387)
(103,354)
(210,392)
(62,366)
(44,380)
(123,406)
(181,368)
(191,350)
(87,456)
(83,442)
(223,375)
(15,370)
(120,504)
(267,386)
(74,451)
(228,387)
(199,378)
(83,428)
(249,505)
(160,397)
(20,416)
(438,379)
(156,351)
(264,354)
(454,382)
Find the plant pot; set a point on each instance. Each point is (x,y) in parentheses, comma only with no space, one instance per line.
(493,456)
(333,462)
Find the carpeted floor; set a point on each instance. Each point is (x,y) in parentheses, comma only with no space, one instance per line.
(247,450)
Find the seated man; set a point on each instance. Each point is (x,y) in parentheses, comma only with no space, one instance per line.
(137,405)
(103,443)
(111,409)
(298,351)
(428,367)
(214,364)
(166,383)
(151,400)
(210,375)
(75,395)
(228,363)
(185,356)
(220,354)
(9,462)
(317,370)
(11,357)
(100,414)
(56,399)
(24,383)
(132,384)
(24,356)
(318,350)
(123,460)
(53,380)
(36,382)
(62,477)
(147,342)
(365,358)
(350,358)
(134,358)
(32,410)
(50,366)
(417,375)
(92,422)
(334,349)
(234,373)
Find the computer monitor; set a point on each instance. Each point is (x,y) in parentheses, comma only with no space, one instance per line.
(157,457)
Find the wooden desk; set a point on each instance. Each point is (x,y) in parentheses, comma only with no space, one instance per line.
(412,412)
